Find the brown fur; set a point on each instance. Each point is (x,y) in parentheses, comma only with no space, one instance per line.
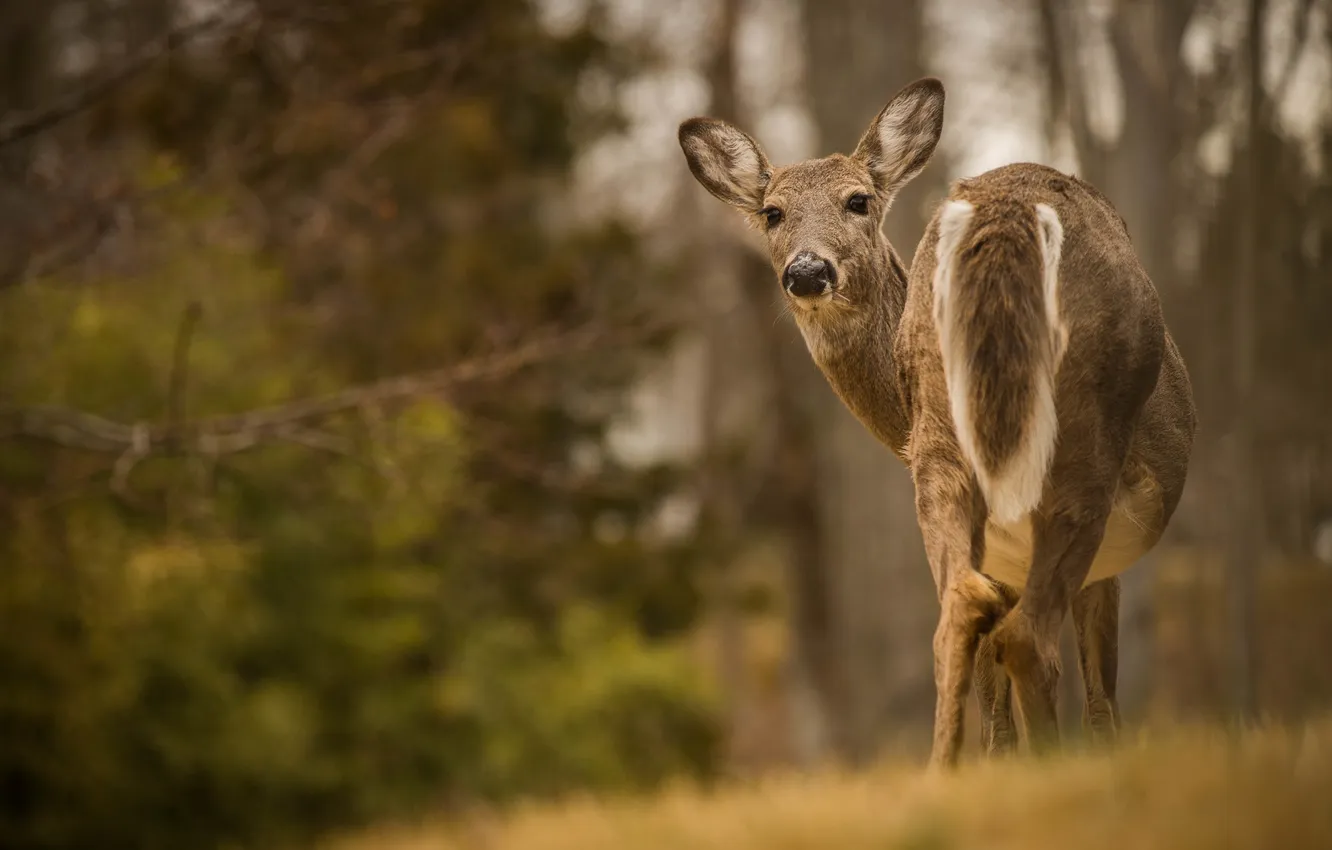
(1121,393)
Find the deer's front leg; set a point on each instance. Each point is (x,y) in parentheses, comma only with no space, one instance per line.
(994,692)
(953,528)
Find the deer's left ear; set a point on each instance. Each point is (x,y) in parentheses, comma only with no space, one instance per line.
(901,140)
(728,163)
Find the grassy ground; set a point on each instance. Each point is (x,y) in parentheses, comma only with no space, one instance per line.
(1195,789)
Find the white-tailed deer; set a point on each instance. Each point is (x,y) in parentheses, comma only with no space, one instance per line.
(1022,371)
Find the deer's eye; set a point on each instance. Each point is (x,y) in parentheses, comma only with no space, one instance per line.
(771,216)
(858,204)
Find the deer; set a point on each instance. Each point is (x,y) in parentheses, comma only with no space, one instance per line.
(1021,369)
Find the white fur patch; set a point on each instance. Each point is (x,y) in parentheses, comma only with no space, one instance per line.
(953,224)
(1051,231)
(1013,491)
(894,142)
(746,171)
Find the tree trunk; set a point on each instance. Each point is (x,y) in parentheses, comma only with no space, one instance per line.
(716,283)
(24,42)
(857,56)
(1245,520)
(1135,172)
(751,353)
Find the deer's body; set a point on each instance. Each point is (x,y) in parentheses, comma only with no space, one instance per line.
(1021,369)
(1116,341)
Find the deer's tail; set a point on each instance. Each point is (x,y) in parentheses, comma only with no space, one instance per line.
(996,307)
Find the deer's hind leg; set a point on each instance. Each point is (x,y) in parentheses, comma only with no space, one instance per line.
(1096,621)
(1066,540)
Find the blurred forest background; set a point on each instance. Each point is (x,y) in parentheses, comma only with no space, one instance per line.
(388,423)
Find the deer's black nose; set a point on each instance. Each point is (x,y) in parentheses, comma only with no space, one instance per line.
(808,275)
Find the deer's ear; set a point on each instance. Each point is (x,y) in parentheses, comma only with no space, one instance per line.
(901,140)
(726,161)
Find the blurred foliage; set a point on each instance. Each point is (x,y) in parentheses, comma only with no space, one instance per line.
(465,600)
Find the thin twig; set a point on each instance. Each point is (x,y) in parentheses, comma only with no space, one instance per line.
(180,364)
(137,450)
(311,438)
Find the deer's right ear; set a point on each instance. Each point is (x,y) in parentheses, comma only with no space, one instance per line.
(903,136)
(726,161)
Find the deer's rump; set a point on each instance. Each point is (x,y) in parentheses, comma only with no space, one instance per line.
(1056,362)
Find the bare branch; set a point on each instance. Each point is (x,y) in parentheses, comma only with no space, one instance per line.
(229,434)
(17,128)
(137,450)
(1303,15)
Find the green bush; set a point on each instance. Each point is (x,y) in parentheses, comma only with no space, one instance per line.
(205,703)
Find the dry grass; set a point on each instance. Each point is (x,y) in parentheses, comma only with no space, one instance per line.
(1195,789)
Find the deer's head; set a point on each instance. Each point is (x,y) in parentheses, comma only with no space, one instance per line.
(822,217)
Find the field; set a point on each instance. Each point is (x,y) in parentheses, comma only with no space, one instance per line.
(1195,788)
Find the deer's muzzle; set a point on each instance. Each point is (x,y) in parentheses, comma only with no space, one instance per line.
(808,275)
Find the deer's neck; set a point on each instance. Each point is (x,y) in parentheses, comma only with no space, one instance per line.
(852,343)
